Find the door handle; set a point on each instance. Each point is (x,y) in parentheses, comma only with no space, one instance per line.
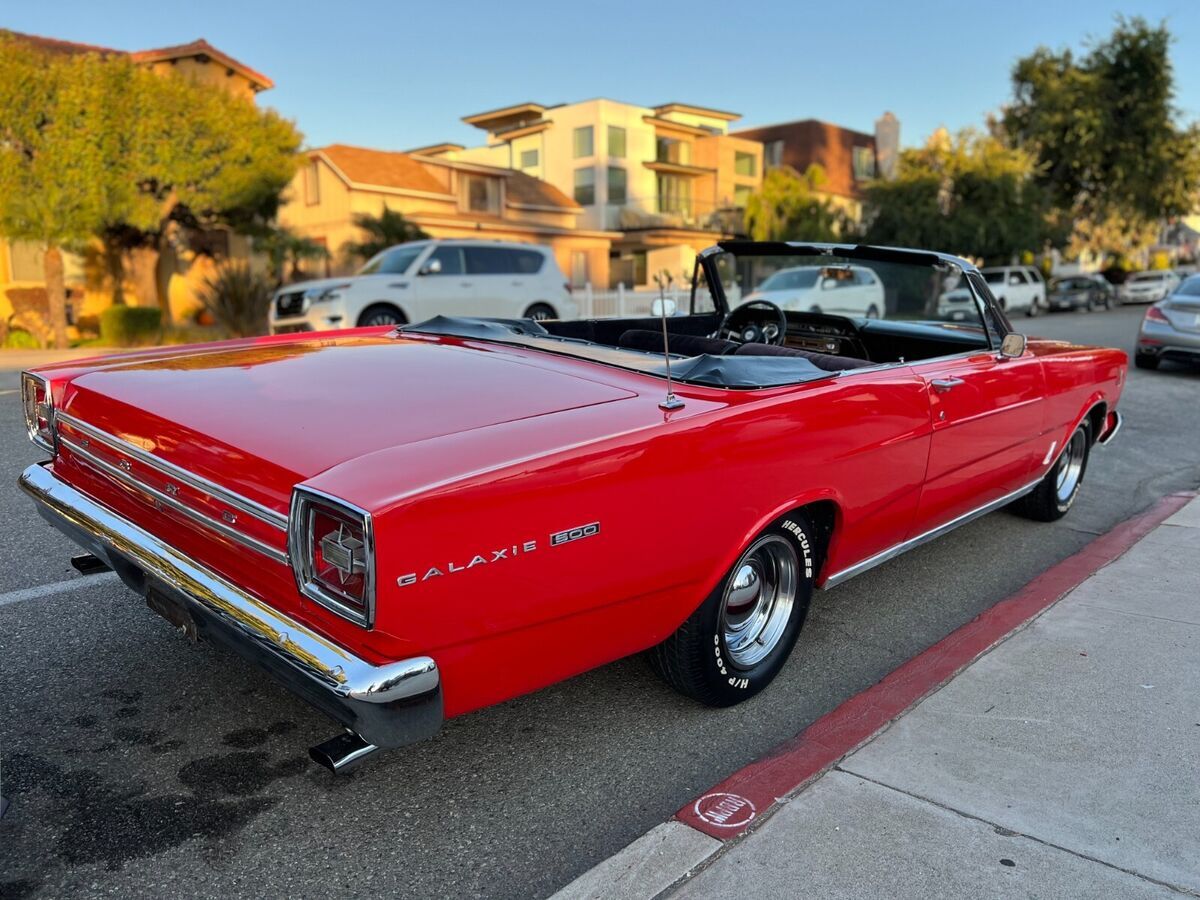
(942,385)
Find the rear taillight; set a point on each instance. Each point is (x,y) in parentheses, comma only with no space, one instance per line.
(1154,314)
(332,552)
(39,410)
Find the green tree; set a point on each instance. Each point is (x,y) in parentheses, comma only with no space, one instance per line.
(788,207)
(387,229)
(966,194)
(52,171)
(1104,131)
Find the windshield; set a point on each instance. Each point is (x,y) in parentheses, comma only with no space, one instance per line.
(1148,276)
(393,261)
(790,279)
(856,288)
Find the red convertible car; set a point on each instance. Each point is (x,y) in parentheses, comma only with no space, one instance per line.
(404,525)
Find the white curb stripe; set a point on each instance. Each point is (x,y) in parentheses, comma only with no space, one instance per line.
(58,587)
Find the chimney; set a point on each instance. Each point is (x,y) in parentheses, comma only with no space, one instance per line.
(887,145)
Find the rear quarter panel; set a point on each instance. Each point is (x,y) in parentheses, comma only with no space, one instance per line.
(1077,378)
(676,497)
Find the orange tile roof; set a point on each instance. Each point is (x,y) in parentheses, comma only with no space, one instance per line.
(394,169)
(381,168)
(199,47)
(530,191)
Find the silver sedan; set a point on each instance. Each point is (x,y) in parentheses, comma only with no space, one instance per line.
(1171,328)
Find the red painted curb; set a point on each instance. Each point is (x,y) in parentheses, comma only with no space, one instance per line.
(731,807)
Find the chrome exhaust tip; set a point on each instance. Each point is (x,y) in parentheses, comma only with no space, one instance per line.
(341,753)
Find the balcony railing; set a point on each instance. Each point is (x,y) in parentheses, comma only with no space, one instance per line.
(642,213)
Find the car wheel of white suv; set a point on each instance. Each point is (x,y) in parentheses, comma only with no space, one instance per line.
(540,312)
(381,314)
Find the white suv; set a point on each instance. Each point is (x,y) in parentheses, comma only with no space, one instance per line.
(1017,288)
(416,281)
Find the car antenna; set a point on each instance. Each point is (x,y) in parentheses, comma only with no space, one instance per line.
(671,401)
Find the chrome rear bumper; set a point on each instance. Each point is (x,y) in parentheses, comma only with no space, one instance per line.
(388,705)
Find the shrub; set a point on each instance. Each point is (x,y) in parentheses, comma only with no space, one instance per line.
(237,297)
(19,339)
(130,326)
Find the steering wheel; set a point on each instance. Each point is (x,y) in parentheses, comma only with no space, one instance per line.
(755,322)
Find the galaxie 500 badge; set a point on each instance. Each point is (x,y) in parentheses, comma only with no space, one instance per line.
(557,539)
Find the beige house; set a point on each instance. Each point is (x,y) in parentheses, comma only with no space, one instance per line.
(669,179)
(446,198)
(21,271)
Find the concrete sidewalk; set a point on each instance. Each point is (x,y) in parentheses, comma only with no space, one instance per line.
(1065,762)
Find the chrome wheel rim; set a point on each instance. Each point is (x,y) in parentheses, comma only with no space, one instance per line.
(1070,467)
(540,314)
(758,600)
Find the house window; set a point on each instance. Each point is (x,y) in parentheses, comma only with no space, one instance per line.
(741,195)
(772,154)
(583,142)
(674,194)
(616,184)
(616,141)
(585,186)
(670,150)
(744,164)
(864,163)
(480,194)
(312,183)
(529,159)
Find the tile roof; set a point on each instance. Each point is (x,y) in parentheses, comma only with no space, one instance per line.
(404,171)
(199,47)
(382,168)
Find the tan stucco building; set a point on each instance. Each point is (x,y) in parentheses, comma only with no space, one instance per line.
(446,198)
(669,179)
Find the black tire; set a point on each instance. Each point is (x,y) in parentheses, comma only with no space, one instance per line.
(872,311)
(381,314)
(1034,308)
(1146,361)
(698,660)
(540,312)
(1053,498)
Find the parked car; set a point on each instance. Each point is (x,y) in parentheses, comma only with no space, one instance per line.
(956,305)
(1017,288)
(1171,328)
(407,524)
(848,290)
(415,281)
(1078,292)
(1147,287)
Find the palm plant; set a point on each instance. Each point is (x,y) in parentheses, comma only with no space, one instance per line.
(387,229)
(237,297)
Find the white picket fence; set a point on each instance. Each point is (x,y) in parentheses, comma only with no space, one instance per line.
(627,302)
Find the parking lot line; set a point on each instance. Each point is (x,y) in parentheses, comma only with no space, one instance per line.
(57,587)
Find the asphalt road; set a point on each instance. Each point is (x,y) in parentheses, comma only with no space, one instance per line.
(140,765)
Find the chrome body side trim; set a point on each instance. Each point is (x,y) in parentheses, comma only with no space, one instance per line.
(389,705)
(203,485)
(163,499)
(1118,420)
(904,546)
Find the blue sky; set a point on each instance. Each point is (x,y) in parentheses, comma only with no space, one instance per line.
(397,74)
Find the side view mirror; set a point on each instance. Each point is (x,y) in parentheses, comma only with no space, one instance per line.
(1013,346)
(828,284)
(663,307)
(432,267)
